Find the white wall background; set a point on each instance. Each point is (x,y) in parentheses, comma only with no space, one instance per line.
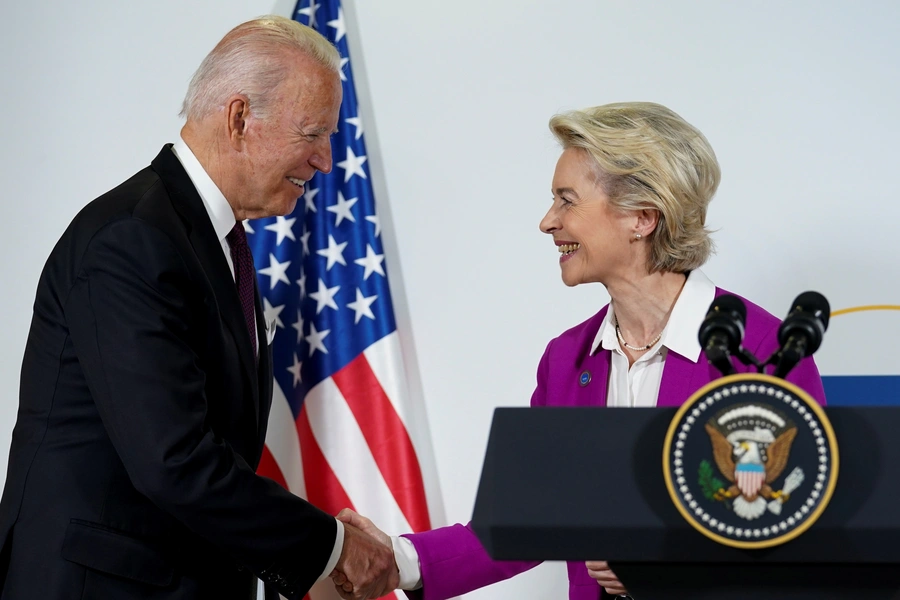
(800,100)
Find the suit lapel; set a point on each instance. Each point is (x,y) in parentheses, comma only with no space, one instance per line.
(209,252)
(263,371)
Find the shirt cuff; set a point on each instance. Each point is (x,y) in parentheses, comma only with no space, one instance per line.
(335,552)
(407,562)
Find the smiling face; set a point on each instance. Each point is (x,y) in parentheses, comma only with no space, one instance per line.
(594,239)
(281,152)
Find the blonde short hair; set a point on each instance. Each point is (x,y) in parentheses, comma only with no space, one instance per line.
(252,60)
(648,157)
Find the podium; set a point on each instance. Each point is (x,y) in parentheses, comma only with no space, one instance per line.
(587,484)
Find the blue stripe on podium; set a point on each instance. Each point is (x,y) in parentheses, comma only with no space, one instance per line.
(862,390)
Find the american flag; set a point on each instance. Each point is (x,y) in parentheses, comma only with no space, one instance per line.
(342,429)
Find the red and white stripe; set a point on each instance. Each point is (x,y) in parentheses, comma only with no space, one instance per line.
(358,444)
(750,482)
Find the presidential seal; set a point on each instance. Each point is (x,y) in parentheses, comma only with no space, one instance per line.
(750,461)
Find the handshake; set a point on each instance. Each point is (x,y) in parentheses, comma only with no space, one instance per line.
(366,568)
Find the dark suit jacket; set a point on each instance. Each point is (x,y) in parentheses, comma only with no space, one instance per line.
(142,417)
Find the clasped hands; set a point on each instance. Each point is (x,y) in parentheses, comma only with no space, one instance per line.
(366,568)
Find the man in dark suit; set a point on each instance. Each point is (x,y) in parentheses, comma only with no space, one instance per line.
(147,376)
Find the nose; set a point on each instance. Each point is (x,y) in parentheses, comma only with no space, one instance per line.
(550,222)
(321,159)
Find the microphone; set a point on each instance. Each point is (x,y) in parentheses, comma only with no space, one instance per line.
(800,334)
(722,331)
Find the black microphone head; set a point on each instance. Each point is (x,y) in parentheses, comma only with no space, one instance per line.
(808,317)
(726,317)
(729,302)
(815,304)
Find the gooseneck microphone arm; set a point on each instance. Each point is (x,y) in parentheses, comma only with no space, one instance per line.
(720,358)
(746,357)
(788,357)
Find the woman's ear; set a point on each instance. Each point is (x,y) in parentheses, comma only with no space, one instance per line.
(647,220)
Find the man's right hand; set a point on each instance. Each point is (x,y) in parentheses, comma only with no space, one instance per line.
(366,568)
(350,517)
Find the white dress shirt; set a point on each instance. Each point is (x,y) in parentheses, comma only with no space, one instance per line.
(222,217)
(637,386)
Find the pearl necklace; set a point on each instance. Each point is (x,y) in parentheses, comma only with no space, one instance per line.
(635,348)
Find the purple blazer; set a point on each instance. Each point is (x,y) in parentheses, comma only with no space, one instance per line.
(452,559)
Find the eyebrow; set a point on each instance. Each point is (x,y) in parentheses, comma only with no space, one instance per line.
(561,190)
(317,131)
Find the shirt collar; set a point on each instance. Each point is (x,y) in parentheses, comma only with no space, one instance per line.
(220,213)
(680,333)
(687,315)
(606,335)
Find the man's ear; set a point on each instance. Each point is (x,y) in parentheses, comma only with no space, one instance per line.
(237,112)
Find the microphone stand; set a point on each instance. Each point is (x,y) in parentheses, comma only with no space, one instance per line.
(722,361)
(747,358)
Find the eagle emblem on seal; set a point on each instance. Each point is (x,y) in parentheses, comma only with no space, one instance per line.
(751,446)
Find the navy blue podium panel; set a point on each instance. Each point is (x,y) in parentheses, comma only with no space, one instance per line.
(587,484)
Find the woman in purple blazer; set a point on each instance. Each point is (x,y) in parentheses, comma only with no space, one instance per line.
(630,194)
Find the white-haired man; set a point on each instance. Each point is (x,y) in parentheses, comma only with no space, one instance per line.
(147,380)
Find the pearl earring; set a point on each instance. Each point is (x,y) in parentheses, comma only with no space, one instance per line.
(637,236)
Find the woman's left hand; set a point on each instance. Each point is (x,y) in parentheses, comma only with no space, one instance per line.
(599,570)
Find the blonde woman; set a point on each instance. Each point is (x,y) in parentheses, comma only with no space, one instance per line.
(630,194)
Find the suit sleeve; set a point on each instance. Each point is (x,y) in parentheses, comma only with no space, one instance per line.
(132,314)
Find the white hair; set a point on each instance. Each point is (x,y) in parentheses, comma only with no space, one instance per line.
(252,60)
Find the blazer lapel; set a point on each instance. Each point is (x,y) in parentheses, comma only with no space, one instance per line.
(599,370)
(591,367)
(209,252)
(677,380)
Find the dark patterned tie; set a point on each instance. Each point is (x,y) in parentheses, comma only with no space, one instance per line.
(243,277)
